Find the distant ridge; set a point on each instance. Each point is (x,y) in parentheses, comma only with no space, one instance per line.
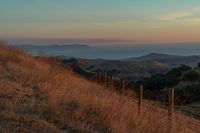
(171,60)
(53,46)
(158,55)
(129,70)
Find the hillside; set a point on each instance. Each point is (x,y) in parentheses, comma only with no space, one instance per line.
(186,82)
(136,68)
(132,70)
(171,60)
(40,95)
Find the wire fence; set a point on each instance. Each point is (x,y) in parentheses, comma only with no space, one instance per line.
(165,99)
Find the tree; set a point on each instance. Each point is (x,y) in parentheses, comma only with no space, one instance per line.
(191,76)
(177,72)
(198,65)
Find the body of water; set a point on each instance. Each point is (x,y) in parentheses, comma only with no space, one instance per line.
(117,51)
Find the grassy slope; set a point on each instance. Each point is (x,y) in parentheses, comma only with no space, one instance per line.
(40,96)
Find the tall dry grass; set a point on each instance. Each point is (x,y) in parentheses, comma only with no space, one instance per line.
(55,99)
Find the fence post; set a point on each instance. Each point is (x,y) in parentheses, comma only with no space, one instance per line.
(171,108)
(123,88)
(105,79)
(99,78)
(140,99)
(171,102)
(112,83)
(96,77)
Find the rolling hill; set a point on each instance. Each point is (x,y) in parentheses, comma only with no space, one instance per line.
(137,68)
(132,70)
(171,60)
(40,95)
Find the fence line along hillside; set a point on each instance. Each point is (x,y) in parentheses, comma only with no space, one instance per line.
(40,95)
(173,111)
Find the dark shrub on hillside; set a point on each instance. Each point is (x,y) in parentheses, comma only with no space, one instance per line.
(159,82)
(156,82)
(72,62)
(177,72)
(170,79)
(191,76)
(198,65)
(188,94)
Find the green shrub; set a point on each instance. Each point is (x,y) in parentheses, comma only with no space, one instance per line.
(191,76)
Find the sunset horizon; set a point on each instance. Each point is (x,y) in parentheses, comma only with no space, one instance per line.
(115,20)
(99,66)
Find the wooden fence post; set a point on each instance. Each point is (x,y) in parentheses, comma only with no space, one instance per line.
(140,99)
(171,108)
(112,83)
(105,79)
(96,77)
(171,102)
(99,78)
(123,88)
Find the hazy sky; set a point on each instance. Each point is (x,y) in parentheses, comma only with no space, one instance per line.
(129,20)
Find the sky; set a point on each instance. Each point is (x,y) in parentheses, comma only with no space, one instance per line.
(101,20)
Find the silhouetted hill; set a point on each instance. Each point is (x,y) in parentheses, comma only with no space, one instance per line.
(171,60)
(53,47)
(129,70)
(155,56)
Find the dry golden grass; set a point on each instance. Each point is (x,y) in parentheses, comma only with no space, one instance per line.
(37,95)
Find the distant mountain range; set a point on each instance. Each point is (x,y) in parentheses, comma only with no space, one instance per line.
(129,68)
(69,50)
(138,67)
(114,53)
(171,60)
(53,47)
